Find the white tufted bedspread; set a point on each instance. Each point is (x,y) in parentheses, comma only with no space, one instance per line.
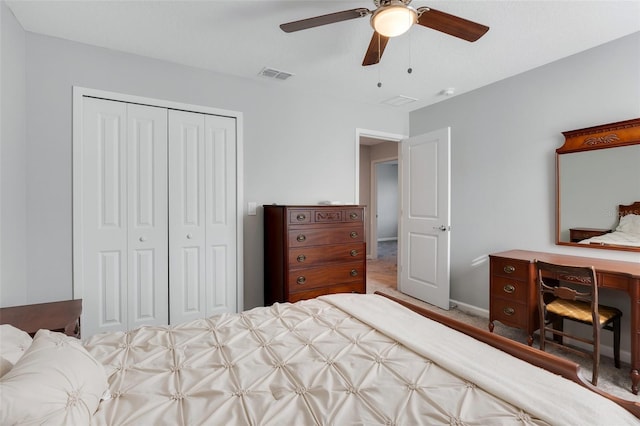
(320,362)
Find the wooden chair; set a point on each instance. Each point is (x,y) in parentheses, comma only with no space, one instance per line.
(571,292)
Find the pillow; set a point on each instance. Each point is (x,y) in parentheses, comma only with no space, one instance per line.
(629,224)
(56,381)
(13,343)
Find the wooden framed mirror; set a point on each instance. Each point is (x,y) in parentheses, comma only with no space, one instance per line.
(598,187)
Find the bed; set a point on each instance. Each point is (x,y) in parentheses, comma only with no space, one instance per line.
(627,233)
(335,360)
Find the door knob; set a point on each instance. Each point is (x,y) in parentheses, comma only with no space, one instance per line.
(142,239)
(442,228)
(189,236)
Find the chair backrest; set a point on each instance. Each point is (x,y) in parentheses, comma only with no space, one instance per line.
(568,283)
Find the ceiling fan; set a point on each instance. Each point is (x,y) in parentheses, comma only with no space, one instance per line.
(392,18)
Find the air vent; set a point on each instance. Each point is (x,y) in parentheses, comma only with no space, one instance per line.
(273,73)
(399,100)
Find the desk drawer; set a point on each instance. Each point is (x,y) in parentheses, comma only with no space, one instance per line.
(618,282)
(509,312)
(509,288)
(512,268)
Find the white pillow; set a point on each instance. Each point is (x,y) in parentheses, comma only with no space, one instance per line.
(630,224)
(13,343)
(55,382)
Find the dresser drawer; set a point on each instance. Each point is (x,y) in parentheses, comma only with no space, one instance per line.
(300,216)
(304,237)
(304,279)
(509,288)
(509,312)
(304,257)
(340,288)
(512,268)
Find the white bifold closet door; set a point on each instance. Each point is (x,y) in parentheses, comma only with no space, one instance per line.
(202,227)
(124,216)
(157,216)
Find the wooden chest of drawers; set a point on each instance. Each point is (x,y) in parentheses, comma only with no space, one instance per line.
(313,250)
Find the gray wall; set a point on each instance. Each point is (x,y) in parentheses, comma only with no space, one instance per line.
(13,161)
(387,200)
(298,147)
(503,142)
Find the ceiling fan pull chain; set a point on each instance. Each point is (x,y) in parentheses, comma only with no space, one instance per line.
(410,69)
(379,67)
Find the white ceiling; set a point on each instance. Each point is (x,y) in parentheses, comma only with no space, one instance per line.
(241,37)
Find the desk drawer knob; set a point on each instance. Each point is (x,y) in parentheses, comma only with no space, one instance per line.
(301,280)
(301,217)
(509,311)
(354,273)
(353,253)
(353,215)
(301,258)
(509,288)
(353,234)
(301,238)
(509,269)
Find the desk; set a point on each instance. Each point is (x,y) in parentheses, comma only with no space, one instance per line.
(514,300)
(55,316)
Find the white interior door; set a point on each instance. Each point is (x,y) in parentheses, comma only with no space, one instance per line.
(187,216)
(122,219)
(425,217)
(220,213)
(202,212)
(148,268)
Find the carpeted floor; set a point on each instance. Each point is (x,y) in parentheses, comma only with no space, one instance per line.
(382,276)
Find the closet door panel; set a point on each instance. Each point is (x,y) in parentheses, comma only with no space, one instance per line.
(148,217)
(104,216)
(186,216)
(220,183)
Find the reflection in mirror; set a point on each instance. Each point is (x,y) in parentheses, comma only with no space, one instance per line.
(598,169)
(592,184)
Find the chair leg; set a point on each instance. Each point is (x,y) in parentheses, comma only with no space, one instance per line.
(558,324)
(596,364)
(616,342)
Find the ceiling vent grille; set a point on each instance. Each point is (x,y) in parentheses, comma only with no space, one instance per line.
(273,73)
(399,100)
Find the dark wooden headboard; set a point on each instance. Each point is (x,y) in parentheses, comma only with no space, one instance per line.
(633,208)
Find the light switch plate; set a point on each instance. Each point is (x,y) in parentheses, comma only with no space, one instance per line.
(251,206)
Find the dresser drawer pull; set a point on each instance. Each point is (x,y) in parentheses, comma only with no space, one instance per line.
(301,217)
(301,238)
(353,253)
(353,234)
(301,258)
(509,269)
(354,273)
(353,215)
(509,311)
(509,288)
(301,280)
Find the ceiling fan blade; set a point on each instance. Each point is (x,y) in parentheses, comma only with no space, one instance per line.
(376,47)
(450,24)
(317,21)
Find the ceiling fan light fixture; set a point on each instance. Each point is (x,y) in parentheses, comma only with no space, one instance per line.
(393,19)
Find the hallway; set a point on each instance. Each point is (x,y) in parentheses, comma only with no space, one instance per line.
(382,272)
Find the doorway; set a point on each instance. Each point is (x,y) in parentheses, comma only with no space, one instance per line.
(379,191)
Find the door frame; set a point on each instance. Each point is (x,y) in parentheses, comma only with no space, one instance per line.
(79,93)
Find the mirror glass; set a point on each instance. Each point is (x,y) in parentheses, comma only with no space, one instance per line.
(591,184)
